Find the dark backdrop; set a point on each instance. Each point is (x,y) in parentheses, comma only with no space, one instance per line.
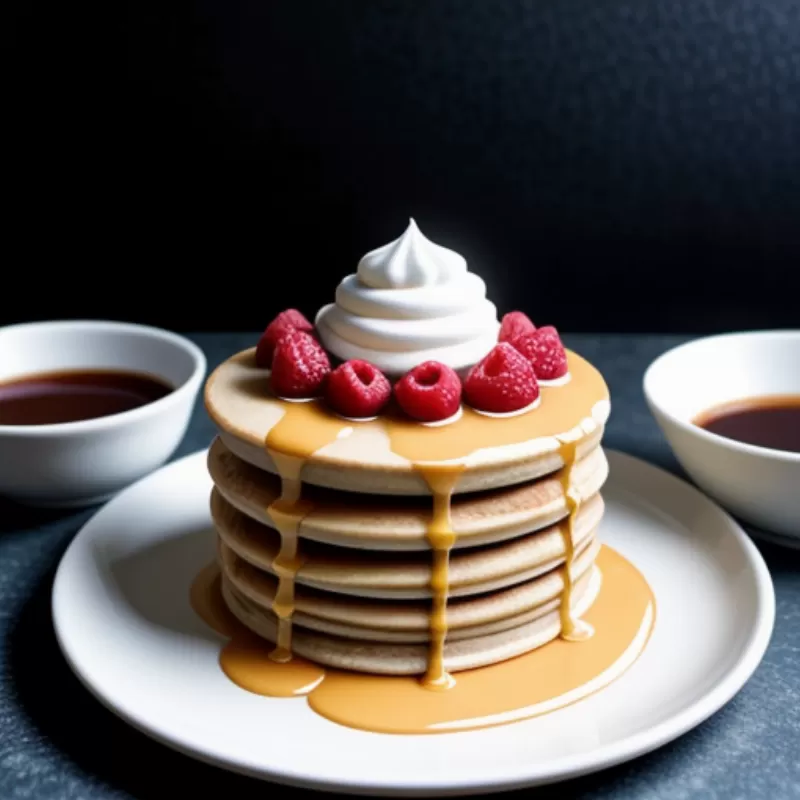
(603,165)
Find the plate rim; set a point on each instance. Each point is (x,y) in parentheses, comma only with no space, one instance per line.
(564,768)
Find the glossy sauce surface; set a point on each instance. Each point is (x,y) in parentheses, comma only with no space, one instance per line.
(551,677)
(568,668)
(772,421)
(435,452)
(75,395)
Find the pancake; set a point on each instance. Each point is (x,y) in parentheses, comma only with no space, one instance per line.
(410,659)
(408,621)
(400,523)
(384,574)
(383,456)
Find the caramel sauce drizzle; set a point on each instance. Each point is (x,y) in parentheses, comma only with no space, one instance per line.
(247,659)
(297,436)
(539,681)
(307,427)
(442,482)
(573,630)
(286,514)
(535,683)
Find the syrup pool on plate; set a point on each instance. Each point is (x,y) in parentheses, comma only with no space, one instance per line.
(622,618)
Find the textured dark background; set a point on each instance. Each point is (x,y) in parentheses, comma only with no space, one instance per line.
(605,166)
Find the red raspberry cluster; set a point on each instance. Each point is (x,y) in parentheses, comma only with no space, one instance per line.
(505,380)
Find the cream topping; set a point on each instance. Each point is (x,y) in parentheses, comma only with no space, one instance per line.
(410,301)
(410,261)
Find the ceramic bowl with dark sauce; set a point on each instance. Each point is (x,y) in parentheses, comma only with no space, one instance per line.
(87,407)
(729,406)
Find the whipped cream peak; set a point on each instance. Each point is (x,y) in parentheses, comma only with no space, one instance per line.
(410,301)
(411,261)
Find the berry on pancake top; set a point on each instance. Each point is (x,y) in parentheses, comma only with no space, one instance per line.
(286,322)
(357,389)
(543,348)
(430,392)
(513,325)
(505,380)
(299,366)
(502,382)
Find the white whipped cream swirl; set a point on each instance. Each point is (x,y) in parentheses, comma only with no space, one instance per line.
(410,301)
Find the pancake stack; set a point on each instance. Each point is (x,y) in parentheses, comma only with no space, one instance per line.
(325,527)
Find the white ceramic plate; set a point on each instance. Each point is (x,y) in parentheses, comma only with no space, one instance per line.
(122,617)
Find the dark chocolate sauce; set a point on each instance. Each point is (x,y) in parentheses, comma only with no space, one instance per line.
(772,421)
(72,395)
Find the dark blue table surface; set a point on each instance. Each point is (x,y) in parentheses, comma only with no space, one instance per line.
(57,742)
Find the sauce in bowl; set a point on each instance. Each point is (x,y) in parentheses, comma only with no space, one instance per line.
(772,421)
(72,395)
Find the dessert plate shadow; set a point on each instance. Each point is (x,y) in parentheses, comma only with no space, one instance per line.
(123,621)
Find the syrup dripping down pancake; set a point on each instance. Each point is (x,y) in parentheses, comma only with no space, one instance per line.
(382,456)
(390,621)
(411,659)
(387,574)
(400,523)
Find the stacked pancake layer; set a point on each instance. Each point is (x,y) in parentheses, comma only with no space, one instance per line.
(335,547)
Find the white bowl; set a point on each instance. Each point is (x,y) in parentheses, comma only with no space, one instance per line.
(759,485)
(78,463)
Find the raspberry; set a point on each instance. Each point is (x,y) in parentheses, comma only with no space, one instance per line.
(429,392)
(357,389)
(504,381)
(289,320)
(544,351)
(300,366)
(514,324)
